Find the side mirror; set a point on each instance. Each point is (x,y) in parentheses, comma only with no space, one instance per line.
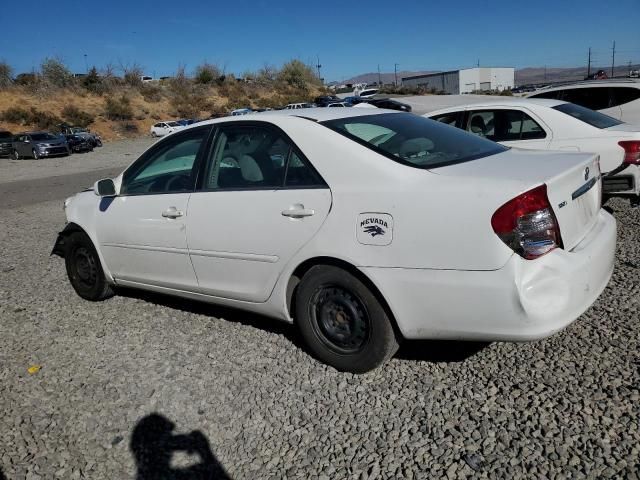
(105,188)
(26,141)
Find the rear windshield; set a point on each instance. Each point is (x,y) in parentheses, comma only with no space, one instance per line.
(413,140)
(595,119)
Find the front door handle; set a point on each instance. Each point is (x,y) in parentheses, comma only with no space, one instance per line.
(172,212)
(298,211)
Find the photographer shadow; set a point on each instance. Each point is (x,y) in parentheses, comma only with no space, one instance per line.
(153,444)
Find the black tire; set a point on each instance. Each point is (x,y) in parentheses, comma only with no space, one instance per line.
(342,322)
(35,155)
(15,155)
(84,269)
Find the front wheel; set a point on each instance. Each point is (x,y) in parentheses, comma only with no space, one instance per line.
(84,268)
(35,154)
(342,321)
(15,155)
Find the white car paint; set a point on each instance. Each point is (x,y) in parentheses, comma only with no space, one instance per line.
(161,129)
(444,272)
(564,132)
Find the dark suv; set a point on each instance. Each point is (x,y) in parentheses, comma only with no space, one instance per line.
(6,139)
(38,145)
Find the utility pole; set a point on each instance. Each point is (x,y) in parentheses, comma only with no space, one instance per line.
(613,58)
(545,74)
(478,64)
(379,78)
(318,66)
(86,65)
(589,64)
(395,71)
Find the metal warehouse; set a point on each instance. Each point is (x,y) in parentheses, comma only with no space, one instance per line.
(467,80)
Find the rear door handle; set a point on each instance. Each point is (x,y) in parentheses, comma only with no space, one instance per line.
(298,211)
(172,212)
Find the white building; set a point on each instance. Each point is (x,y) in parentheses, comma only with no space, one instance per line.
(467,80)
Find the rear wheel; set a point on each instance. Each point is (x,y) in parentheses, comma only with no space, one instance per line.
(84,269)
(342,321)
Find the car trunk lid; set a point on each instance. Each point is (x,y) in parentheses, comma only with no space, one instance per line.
(573,182)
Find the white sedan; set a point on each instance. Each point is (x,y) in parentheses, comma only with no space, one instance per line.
(545,124)
(161,129)
(362,227)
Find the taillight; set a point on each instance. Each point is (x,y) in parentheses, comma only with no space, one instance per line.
(631,151)
(527,224)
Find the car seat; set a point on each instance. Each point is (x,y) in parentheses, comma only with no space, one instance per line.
(478,126)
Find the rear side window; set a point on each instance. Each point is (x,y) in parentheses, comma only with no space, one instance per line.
(595,98)
(413,140)
(622,95)
(504,125)
(595,119)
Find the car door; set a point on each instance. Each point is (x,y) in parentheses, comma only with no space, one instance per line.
(259,200)
(512,127)
(141,231)
(24,146)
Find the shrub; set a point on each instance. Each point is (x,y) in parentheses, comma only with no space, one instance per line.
(151,93)
(92,81)
(18,115)
(297,74)
(26,79)
(5,75)
(132,74)
(55,73)
(207,74)
(75,116)
(46,120)
(32,117)
(118,108)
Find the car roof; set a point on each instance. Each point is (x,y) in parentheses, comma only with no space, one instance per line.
(504,102)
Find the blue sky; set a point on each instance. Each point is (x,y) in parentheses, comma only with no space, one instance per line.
(349,37)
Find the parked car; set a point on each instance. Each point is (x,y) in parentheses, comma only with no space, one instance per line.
(368,93)
(163,128)
(39,145)
(93,138)
(185,122)
(617,98)
(325,100)
(240,111)
(295,106)
(426,231)
(79,143)
(338,104)
(6,143)
(543,124)
(389,104)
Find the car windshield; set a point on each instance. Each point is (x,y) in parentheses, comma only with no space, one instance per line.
(42,136)
(413,140)
(78,130)
(593,118)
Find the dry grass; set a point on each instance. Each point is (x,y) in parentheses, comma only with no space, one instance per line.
(148,109)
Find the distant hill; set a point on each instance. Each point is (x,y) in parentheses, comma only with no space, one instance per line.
(523,75)
(385,77)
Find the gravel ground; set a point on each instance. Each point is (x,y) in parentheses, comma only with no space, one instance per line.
(113,154)
(129,382)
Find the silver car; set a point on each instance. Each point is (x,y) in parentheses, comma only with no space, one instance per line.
(39,145)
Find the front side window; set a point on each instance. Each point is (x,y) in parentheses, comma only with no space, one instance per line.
(504,125)
(413,140)
(256,157)
(595,119)
(168,168)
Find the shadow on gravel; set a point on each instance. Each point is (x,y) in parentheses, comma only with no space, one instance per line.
(425,350)
(439,350)
(216,311)
(2,477)
(153,444)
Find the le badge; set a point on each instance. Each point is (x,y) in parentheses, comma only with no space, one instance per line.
(374,229)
